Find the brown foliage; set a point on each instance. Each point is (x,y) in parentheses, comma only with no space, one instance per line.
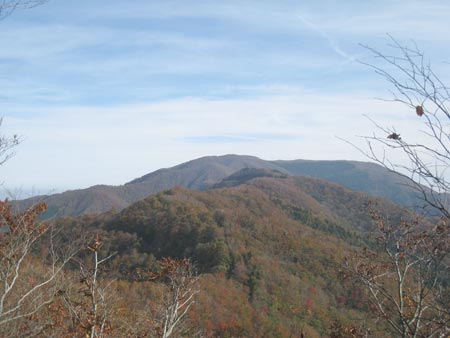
(405,274)
(342,331)
(419,110)
(28,284)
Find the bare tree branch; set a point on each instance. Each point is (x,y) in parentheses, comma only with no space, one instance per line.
(23,295)
(405,275)
(7,7)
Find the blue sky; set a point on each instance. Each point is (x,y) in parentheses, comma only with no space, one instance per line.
(106,91)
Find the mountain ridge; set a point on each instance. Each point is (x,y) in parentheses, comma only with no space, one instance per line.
(209,171)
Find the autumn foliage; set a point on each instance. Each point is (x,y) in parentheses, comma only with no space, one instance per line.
(261,259)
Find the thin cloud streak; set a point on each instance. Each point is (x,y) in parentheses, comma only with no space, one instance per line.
(331,41)
(85,142)
(99,84)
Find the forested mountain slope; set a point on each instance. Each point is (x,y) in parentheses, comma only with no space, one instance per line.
(365,177)
(269,251)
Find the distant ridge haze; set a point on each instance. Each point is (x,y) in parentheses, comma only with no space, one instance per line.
(206,172)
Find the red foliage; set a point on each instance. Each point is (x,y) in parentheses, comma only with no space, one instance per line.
(312,291)
(309,303)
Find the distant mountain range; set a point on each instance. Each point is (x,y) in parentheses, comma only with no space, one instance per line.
(228,170)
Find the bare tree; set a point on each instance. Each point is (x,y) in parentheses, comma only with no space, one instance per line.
(416,85)
(26,285)
(88,300)
(7,7)
(405,275)
(179,280)
(180,296)
(96,291)
(7,143)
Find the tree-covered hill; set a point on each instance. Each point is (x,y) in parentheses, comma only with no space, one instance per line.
(268,250)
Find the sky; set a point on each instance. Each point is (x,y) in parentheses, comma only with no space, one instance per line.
(105,91)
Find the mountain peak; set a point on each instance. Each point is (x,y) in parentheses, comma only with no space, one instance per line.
(230,170)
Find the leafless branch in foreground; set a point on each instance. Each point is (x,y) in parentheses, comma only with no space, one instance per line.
(7,7)
(27,285)
(416,85)
(405,276)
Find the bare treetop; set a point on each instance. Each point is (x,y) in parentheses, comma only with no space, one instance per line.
(407,273)
(415,85)
(9,6)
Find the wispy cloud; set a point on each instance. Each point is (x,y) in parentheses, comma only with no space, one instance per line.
(81,144)
(330,40)
(155,83)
